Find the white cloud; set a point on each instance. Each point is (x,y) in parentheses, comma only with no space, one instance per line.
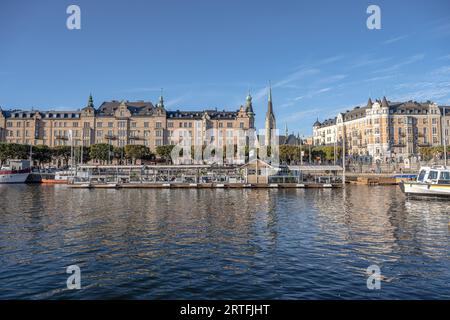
(446,57)
(407,61)
(295,116)
(367,60)
(379,78)
(297,75)
(445,70)
(396,39)
(142,89)
(332,78)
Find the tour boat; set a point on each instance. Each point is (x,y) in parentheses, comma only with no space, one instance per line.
(16,171)
(431,181)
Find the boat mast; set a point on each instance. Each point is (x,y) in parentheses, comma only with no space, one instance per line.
(31,155)
(444,138)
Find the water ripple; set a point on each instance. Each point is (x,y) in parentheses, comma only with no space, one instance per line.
(221,244)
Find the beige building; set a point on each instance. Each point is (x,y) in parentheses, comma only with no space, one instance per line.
(121,123)
(384,129)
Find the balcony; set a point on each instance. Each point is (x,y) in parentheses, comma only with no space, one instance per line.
(110,137)
(136,138)
(424,144)
(61,137)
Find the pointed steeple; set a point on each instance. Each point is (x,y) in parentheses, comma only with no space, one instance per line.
(369,103)
(161,100)
(248,105)
(384,103)
(317,123)
(270,123)
(269,107)
(90,101)
(270,92)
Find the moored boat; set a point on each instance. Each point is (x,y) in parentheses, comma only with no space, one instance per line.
(60,177)
(431,181)
(15,171)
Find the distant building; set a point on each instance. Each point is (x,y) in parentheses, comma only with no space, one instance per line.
(122,123)
(384,129)
(289,139)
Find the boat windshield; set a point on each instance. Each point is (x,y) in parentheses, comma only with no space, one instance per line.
(421,175)
(445,175)
(433,175)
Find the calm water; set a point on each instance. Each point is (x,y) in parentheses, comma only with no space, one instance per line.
(241,244)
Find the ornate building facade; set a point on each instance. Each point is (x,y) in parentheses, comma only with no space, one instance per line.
(121,123)
(384,129)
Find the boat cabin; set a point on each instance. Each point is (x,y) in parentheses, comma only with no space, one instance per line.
(16,165)
(434,175)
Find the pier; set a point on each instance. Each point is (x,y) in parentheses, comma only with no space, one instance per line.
(255,174)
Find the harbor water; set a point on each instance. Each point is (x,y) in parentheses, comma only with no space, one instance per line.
(222,243)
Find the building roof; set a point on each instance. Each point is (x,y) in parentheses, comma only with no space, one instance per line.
(291,140)
(396,108)
(355,113)
(136,108)
(198,115)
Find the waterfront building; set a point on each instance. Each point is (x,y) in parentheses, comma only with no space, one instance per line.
(121,123)
(258,171)
(384,129)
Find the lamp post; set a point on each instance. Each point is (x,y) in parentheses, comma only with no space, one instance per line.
(62,138)
(109,138)
(310,155)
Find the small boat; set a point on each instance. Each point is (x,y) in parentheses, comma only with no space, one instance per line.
(60,177)
(16,171)
(431,181)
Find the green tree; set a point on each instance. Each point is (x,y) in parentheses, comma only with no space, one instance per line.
(135,152)
(164,152)
(63,153)
(5,152)
(42,154)
(79,152)
(10,151)
(118,153)
(100,152)
(326,152)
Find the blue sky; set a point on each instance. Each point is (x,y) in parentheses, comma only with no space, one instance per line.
(319,55)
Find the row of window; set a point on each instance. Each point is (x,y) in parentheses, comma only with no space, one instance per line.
(120,124)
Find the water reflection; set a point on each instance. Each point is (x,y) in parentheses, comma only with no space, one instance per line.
(259,244)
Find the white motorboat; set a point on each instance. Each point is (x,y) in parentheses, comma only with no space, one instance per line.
(15,171)
(431,181)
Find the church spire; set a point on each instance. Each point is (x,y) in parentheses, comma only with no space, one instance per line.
(248,105)
(161,100)
(90,101)
(270,108)
(270,124)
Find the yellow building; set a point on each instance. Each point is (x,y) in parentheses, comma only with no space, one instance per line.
(384,129)
(121,123)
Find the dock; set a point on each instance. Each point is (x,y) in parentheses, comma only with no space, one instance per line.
(205,185)
(255,174)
